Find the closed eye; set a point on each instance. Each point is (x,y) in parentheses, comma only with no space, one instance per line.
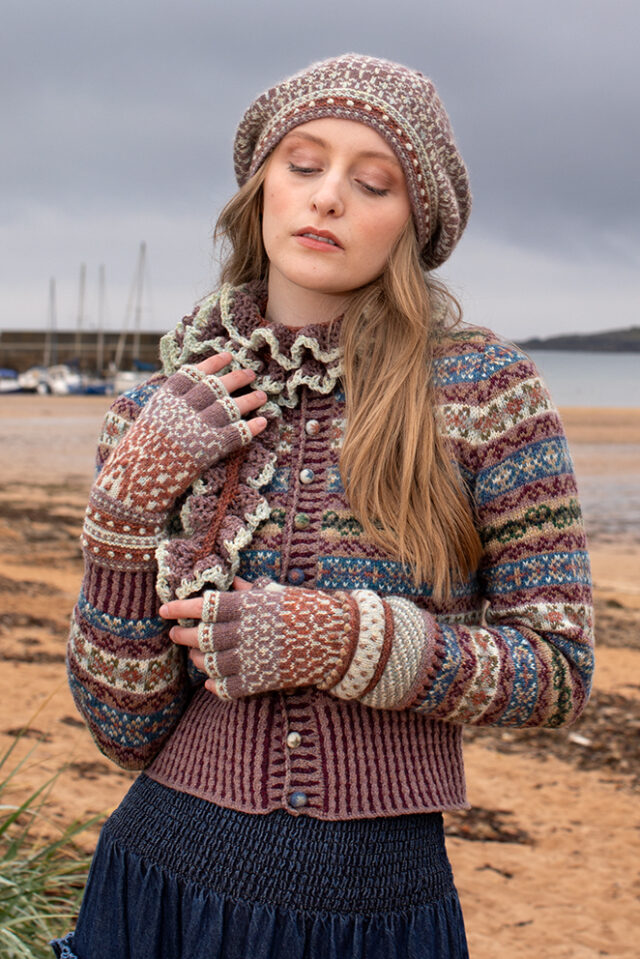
(372,189)
(305,170)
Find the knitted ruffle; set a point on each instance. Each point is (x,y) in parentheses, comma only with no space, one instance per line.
(285,359)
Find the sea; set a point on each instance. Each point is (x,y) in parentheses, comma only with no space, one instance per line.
(590,379)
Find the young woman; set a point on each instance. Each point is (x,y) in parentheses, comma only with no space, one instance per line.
(339,526)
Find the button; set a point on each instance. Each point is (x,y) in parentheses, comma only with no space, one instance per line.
(293,740)
(296,576)
(307,476)
(312,428)
(301,521)
(298,800)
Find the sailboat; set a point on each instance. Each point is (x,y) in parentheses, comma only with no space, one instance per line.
(128,379)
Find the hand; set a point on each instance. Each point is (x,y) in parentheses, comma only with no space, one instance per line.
(191,423)
(274,637)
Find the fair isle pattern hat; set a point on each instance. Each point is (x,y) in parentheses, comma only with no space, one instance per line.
(398,103)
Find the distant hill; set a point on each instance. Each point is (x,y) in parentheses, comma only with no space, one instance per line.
(611,341)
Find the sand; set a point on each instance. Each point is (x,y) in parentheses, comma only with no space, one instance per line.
(547,860)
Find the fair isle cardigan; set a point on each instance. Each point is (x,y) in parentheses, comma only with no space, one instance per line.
(512,645)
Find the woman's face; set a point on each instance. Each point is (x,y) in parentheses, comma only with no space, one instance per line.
(335,201)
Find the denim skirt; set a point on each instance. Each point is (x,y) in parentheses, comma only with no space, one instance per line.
(177,877)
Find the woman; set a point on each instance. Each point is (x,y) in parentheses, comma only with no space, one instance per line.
(338,526)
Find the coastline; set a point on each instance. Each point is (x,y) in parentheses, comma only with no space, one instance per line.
(549,836)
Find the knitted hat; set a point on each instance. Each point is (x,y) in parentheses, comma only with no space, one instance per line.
(398,103)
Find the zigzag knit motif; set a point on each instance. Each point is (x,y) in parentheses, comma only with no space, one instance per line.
(374,659)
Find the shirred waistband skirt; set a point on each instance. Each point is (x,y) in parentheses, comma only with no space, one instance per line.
(177,877)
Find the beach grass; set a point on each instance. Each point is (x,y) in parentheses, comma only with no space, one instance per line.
(42,870)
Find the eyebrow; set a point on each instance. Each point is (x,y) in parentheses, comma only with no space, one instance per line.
(366,154)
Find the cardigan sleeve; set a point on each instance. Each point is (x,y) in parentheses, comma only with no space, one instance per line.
(127,678)
(129,681)
(528,660)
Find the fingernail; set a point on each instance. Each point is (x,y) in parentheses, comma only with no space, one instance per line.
(164,610)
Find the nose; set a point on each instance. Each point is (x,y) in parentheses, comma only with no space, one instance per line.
(327,197)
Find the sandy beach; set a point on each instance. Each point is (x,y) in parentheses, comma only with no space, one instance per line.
(546,861)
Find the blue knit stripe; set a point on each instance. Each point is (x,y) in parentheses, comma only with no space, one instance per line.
(524,692)
(474,367)
(133,629)
(255,563)
(126,729)
(280,481)
(140,395)
(579,654)
(535,572)
(446,673)
(334,480)
(383,576)
(526,465)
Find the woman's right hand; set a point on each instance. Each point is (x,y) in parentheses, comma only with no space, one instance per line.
(237,380)
(191,423)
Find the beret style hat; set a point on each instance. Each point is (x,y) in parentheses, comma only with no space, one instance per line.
(402,106)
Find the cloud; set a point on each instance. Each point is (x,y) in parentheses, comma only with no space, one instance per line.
(121,119)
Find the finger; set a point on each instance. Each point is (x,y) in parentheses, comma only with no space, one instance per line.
(213,364)
(182,609)
(250,401)
(183,636)
(215,636)
(237,379)
(197,658)
(226,663)
(239,583)
(257,425)
(218,687)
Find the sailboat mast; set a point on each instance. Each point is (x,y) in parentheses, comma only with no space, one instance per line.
(80,320)
(138,311)
(100,338)
(50,346)
(135,296)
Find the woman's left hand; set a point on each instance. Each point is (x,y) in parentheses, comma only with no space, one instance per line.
(261,638)
(188,636)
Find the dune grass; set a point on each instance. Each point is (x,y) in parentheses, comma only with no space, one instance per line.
(41,878)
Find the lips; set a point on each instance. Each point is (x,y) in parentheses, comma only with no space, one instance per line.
(320,236)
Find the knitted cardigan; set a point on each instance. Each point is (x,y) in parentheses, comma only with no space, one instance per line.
(511,646)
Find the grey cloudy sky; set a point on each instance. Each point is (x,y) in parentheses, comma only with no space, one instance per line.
(118,122)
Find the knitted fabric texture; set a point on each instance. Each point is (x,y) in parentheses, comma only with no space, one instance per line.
(381,731)
(276,637)
(398,103)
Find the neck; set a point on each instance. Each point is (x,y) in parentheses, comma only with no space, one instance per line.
(297,307)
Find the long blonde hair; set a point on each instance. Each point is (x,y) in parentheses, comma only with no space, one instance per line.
(398,473)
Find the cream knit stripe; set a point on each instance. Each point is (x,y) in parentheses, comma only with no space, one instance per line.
(406,655)
(369,649)
(122,541)
(484,686)
(567,619)
(127,674)
(483,423)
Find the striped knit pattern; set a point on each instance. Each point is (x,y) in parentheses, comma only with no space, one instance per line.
(511,646)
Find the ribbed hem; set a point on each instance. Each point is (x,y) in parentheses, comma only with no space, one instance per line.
(353,763)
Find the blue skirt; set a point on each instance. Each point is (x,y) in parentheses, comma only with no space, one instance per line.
(177,877)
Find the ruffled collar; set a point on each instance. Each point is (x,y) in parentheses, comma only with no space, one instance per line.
(284,358)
